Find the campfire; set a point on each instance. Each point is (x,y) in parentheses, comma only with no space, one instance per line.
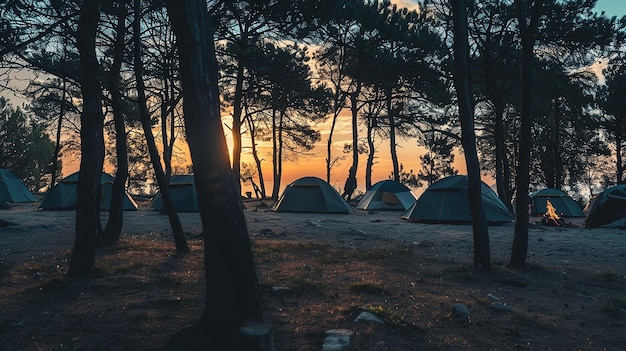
(551,217)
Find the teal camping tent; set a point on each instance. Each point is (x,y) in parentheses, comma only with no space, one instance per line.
(564,205)
(311,194)
(63,195)
(12,189)
(609,209)
(387,195)
(182,192)
(447,201)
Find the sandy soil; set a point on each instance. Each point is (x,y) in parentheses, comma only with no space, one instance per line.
(572,297)
(46,232)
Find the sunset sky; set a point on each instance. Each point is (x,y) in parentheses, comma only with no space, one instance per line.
(314,164)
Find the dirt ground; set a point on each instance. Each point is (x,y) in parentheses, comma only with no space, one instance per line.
(318,272)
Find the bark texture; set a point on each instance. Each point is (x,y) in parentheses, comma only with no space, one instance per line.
(482,255)
(91,146)
(232,296)
(528,31)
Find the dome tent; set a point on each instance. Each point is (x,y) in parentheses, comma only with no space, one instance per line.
(387,195)
(12,189)
(609,209)
(565,206)
(447,201)
(182,192)
(62,196)
(311,194)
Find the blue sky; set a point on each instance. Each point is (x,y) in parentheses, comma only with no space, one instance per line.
(612,7)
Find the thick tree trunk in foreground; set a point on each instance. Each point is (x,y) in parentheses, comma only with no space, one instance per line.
(482,254)
(83,261)
(232,296)
(527,33)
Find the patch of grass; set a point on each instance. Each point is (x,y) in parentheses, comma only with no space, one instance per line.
(126,267)
(277,250)
(303,284)
(377,254)
(461,273)
(368,288)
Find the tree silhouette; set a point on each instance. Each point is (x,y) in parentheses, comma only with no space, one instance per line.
(232,296)
(528,20)
(462,84)
(88,228)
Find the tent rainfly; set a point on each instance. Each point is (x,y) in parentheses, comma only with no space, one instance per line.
(609,209)
(387,195)
(182,192)
(564,205)
(311,194)
(447,201)
(12,189)
(63,195)
(590,203)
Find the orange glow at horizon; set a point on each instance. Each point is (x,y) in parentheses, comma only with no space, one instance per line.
(314,162)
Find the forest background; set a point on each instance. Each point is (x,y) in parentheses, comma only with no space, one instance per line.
(578,147)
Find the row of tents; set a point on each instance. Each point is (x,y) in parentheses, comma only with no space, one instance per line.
(445,201)
(60,197)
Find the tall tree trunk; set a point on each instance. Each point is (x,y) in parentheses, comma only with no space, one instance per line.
(548,160)
(168,142)
(528,31)
(329,144)
(556,144)
(351,182)
(619,141)
(255,156)
(232,296)
(482,255)
(57,147)
(162,181)
(369,164)
(83,261)
(392,137)
(165,137)
(237,111)
(338,105)
(277,151)
(113,229)
(502,171)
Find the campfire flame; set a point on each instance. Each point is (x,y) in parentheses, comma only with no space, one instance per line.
(551,211)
